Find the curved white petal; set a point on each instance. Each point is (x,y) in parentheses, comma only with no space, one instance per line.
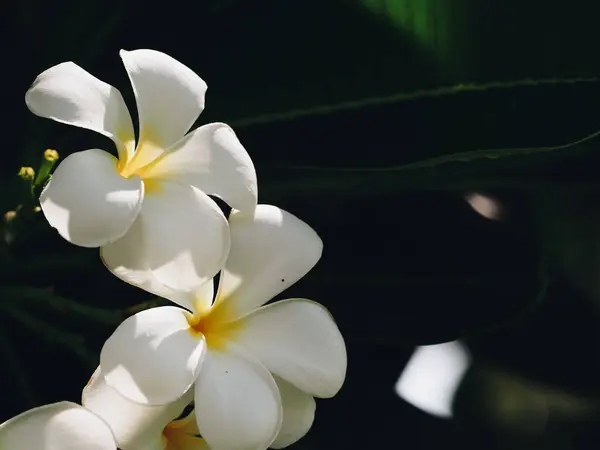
(299,341)
(153,357)
(180,240)
(298,414)
(432,377)
(135,426)
(212,159)
(169,95)
(68,94)
(88,202)
(126,259)
(238,406)
(57,426)
(203,297)
(270,251)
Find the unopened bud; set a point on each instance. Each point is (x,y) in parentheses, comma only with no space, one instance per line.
(51,155)
(36,209)
(27,173)
(9,216)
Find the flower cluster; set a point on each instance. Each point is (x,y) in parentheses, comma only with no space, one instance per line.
(250,370)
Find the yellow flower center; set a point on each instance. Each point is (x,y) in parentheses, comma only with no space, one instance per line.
(145,157)
(170,437)
(216,324)
(181,434)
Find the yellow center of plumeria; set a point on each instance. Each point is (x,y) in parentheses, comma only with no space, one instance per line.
(170,437)
(177,434)
(216,324)
(146,156)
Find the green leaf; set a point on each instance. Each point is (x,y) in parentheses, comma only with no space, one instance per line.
(70,341)
(42,298)
(381,47)
(11,362)
(402,97)
(457,171)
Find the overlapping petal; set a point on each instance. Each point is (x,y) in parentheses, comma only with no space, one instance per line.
(126,259)
(68,94)
(169,96)
(298,341)
(298,414)
(212,159)
(152,358)
(181,241)
(135,426)
(57,426)
(238,406)
(270,251)
(202,299)
(88,202)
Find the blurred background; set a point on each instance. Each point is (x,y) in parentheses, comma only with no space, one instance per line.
(443,149)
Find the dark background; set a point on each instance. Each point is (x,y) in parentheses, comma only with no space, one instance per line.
(313,89)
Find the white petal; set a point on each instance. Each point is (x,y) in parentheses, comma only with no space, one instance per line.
(68,94)
(298,414)
(270,251)
(298,341)
(127,260)
(182,238)
(212,159)
(57,426)
(135,426)
(238,406)
(203,297)
(433,375)
(88,202)
(153,358)
(169,95)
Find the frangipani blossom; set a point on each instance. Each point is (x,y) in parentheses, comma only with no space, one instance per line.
(148,209)
(142,427)
(255,369)
(57,426)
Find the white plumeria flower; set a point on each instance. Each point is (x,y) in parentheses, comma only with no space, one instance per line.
(142,427)
(255,368)
(57,426)
(148,209)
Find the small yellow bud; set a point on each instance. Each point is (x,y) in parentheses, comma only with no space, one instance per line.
(27,173)
(51,155)
(9,216)
(36,209)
